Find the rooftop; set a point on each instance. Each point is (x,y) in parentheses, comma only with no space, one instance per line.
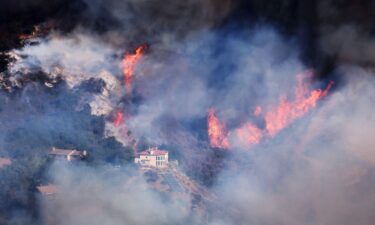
(154,152)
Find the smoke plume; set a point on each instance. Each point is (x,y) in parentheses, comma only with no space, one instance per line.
(269,106)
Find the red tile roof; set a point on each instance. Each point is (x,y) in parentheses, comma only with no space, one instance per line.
(154,151)
(5,162)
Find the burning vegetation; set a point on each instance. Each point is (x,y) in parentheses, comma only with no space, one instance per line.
(216,131)
(287,111)
(128,65)
(255,106)
(276,118)
(119,118)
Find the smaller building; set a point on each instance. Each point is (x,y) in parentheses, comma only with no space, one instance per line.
(152,157)
(68,154)
(4,162)
(48,189)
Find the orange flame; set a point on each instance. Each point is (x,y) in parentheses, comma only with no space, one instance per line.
(276,119)
(216,131)
(249,134)
(119,119)
(286,112)
(257,111)
(128,65)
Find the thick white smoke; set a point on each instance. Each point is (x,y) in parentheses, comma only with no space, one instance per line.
(321,172)
(318,170)
(109,195)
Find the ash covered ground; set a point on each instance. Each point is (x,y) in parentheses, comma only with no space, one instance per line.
(267,106)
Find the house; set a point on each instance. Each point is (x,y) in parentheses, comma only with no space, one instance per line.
(48,189)
(152,157)
(4,162)
(69,154)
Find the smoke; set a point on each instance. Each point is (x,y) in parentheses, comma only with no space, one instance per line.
(319,171)
(67,87)
(109,195)
(345,35)
(324,176)
(150,22)
(81,57)
(349,44)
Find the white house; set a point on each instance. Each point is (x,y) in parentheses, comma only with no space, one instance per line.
(153,157)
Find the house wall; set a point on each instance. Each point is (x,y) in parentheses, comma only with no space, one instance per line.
(152,160)
(148,160)
(162,161)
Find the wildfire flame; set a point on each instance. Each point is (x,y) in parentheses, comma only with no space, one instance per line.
(119,119)
(257,111)
(128,65)
(287,111)
(276,118)
(249,134)
(216,131)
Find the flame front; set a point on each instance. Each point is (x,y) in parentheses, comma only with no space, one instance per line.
(276,118)
(249,134)
(119,119)
(128,65)
(287,111)
(216,131)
